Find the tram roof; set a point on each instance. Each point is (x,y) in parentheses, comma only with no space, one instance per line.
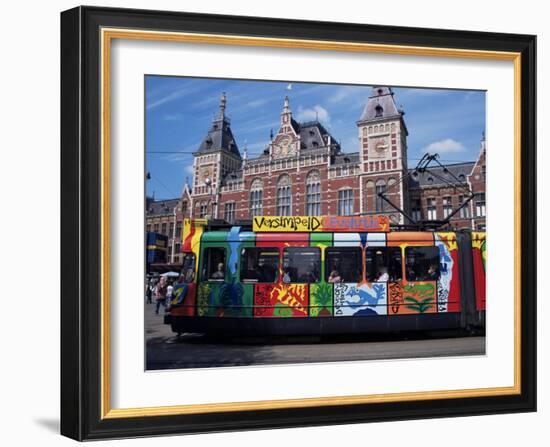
(342,239)
(298,227)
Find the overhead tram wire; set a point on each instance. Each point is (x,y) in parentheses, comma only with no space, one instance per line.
(163,185)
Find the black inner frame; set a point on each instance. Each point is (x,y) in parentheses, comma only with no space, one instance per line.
(81,220)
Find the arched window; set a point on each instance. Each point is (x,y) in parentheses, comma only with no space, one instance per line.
(313,194)
(203,209)
(256,198)
(380,189)
(345,202)
(284,202)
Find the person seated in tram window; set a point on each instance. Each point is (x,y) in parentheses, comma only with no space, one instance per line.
(383,275)
(218,274)
(432,272)
(286,275)
(334,277)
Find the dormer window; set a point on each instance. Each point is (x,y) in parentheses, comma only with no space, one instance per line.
(311,133)
(315,144)
(430,180)
(462,177)
(380,91)
(379,110)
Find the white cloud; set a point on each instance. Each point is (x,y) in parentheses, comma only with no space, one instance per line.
(173,96)
(315,112)
(174,116)
(350,92)
(190,169)
(446,146)
(256,103)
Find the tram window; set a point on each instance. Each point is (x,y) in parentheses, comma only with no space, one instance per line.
(383,264)
(422,263)
(343,264)
(259,264)
(188,268)
(213,265)
(301,264)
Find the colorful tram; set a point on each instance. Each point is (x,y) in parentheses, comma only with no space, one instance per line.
(327,275)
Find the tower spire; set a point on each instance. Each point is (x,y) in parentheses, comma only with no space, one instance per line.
(223,103)
(286,114)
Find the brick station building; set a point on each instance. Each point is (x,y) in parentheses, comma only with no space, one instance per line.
(303,170)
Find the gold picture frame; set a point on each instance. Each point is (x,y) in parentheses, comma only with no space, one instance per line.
(109,25)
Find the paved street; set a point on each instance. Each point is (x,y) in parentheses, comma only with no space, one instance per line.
(167,351)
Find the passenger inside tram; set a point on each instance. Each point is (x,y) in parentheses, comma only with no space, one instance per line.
(432,272)
(334,277)
(286,275)
(422,263)
(383,275)
(383,264)
(219,274)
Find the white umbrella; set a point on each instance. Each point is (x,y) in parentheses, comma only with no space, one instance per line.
(170,274)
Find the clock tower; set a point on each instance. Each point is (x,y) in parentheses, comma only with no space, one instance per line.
(383,154)
(216,156)
(287,141)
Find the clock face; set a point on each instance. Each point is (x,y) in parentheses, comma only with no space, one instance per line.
(283,149)
(206,173)
(380,146)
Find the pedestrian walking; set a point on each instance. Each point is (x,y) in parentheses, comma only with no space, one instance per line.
(149,287)
(160,292)
(169,294)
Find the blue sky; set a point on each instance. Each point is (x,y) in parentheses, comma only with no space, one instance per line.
(179,112)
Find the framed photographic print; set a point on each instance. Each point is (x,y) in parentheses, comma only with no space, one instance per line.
(276,223)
